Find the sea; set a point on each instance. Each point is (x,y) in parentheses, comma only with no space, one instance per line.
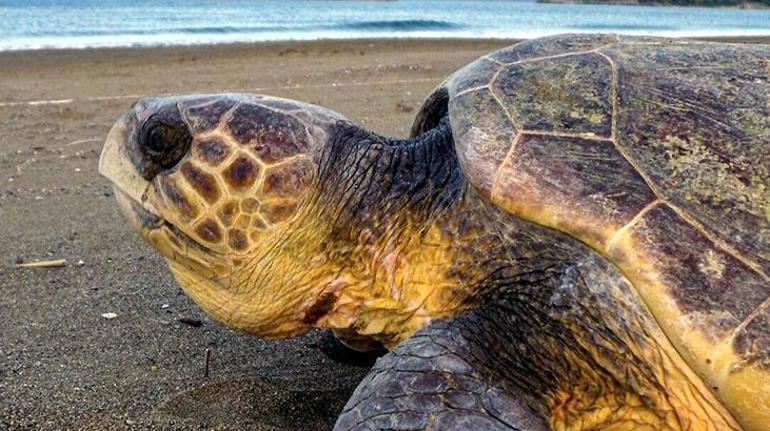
(39,24)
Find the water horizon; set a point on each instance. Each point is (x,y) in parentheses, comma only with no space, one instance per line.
(67,24)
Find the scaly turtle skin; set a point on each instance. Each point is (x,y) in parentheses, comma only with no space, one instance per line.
(576,237)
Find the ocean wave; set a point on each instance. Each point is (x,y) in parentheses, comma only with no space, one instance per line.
(169,30)
(360,26)
(623,27)
(399,25)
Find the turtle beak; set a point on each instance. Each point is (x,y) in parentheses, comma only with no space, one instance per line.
(115,164)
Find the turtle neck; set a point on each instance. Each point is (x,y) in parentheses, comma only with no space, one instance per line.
(392,210)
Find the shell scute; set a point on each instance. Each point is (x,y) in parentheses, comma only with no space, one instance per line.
(713,291)
(752,342)
(475,75)
(552,45)
(484,134)
(560,94)
(696,124)
(581,186)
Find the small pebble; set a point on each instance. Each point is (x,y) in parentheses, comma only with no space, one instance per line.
(129,422)
(109,316)
(80,262)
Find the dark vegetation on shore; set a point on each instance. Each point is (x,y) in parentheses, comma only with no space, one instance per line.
(703,3)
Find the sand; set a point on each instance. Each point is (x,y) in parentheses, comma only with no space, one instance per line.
(65,366)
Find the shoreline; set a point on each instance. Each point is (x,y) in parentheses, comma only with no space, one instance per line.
(749,5)
(280,43)
(334,42)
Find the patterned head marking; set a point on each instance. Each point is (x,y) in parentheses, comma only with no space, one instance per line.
(233,166)
(206,179)
(249,164)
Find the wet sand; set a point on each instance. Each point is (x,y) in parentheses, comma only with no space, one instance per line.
(64,365)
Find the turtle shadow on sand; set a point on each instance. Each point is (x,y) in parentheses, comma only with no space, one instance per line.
(255,403)
(267,403)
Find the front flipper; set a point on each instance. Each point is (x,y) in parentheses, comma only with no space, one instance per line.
(568,347)
(446,377)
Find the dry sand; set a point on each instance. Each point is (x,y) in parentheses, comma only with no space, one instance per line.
(63,365)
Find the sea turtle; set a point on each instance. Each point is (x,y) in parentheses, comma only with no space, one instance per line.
(576,236)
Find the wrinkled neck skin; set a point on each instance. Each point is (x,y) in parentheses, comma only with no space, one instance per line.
(387,243)
(400,212)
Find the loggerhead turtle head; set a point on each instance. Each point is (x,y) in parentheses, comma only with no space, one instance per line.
(217,184)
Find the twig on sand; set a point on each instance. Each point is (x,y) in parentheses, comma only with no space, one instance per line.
(206,364)
(82,141)
(57,263)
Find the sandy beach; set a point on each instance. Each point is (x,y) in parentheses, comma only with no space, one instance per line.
(65,366)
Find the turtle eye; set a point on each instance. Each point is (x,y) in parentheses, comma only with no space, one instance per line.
(155,141)
(165,139)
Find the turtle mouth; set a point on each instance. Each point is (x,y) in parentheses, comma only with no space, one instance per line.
(146,222)
(141,217)
(131,188)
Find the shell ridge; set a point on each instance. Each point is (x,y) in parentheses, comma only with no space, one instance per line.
(472,89)
(553,56)
(495,191)
(745,322)
(514,122)
(634,221)
(613,95)
(723,246)
(614,126)
(588,136)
